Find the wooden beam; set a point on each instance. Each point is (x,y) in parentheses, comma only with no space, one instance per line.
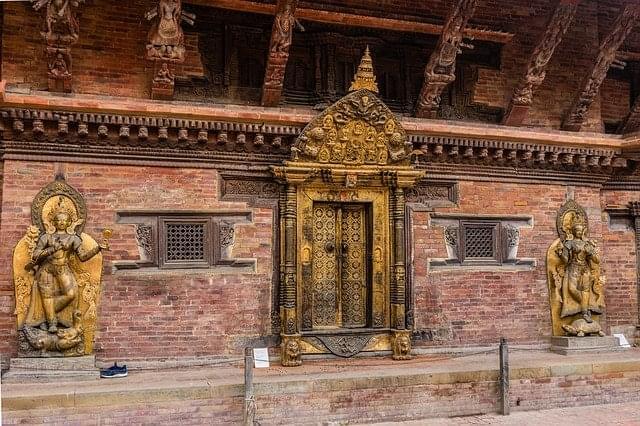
(625,22)
(557,27)
(281,38)
(354,20)
(441,68)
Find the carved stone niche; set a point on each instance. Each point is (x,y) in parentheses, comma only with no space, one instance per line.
(481,241)
(343,206)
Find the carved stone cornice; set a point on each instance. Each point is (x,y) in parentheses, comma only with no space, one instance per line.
(440,70)
(557,27)
(590,87)
(33,132)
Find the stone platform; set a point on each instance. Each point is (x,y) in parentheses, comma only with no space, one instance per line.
(353,391)
(51,369)
(566,345)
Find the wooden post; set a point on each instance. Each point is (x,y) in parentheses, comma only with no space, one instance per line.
(249,398)
(504,377)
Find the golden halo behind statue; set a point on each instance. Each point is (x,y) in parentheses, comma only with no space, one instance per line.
(569,215)
(50,197)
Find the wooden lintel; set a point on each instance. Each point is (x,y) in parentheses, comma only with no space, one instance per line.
(354,20)
(556,28)
(281,37)
(441,67)
(590,87)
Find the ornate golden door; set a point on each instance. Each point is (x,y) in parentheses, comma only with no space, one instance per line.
(342,230)
(340,274)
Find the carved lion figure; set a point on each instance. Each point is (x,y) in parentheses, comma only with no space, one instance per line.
(291,353)
(402,347)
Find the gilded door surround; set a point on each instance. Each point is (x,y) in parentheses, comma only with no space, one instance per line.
(355,151)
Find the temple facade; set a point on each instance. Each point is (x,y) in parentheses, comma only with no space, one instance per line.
(320,178)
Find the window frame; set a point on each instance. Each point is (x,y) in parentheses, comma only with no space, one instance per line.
(498,249)
(209,259)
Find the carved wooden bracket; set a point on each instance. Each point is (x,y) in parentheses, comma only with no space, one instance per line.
(557,27)
(61,30)
(165,44)
(606,57)
(632,121)
(441,68)
(281,38)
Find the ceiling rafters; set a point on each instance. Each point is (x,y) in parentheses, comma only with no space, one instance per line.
(440,70)
(556,29)
(355,20)
(607,55)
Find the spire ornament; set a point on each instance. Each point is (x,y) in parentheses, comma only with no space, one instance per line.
(365,78)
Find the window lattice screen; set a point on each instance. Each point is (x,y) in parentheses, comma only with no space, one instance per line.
(185,242)
(479,242)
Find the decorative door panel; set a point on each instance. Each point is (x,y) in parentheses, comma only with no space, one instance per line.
(325,267)
(354,266)
(339,267)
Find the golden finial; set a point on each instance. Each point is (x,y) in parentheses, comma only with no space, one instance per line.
(365,78)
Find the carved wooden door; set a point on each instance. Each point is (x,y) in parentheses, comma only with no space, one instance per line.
(339,266)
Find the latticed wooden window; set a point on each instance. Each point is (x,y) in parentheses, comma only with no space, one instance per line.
(185,243)
(480,242)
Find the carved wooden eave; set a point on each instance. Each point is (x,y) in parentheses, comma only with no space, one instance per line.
(339,17)
(557,27)
(440,69)
(590,86)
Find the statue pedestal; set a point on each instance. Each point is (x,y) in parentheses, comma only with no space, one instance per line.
(68,369)
(569,345)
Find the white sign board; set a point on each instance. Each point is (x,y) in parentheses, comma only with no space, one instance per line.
(622,341)
(261,357)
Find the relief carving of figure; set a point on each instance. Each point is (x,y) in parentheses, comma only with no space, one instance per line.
(575,283)
(166,39)
(57,273)
(283,31)
(61,24)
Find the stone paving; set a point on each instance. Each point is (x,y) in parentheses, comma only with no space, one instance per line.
(627,414)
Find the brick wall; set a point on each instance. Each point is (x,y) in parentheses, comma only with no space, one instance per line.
(149,315)
(477,307)
(616,95)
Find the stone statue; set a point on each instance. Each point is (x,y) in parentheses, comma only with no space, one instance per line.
(283,31)
(164,75)
(575,283)
(57,272)
(58,68)
(166,39)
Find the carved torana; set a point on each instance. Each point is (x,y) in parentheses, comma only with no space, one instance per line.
(343,226)
(441,68)
(57,271)
(61,31)
(590,87)
(284,24)
(522,98)
(576,286)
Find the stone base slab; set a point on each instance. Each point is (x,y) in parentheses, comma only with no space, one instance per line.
(566,345)
(52,369)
